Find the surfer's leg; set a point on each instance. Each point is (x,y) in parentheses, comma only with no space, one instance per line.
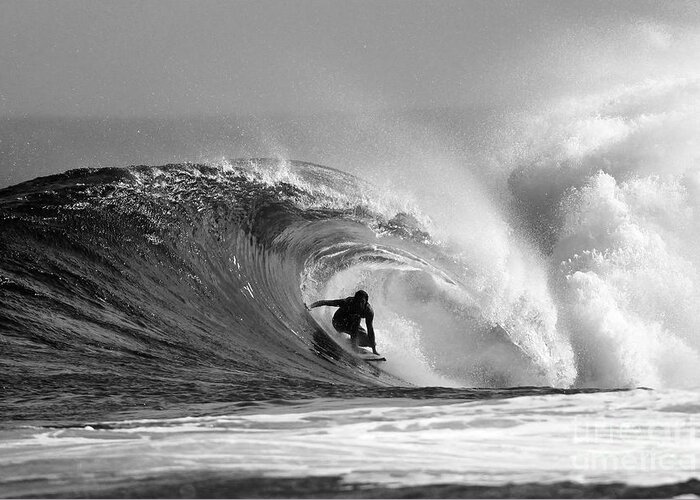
(360,337)
(342,327)
(363,339)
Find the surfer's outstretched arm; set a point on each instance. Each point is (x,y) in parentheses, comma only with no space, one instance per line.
(335,303)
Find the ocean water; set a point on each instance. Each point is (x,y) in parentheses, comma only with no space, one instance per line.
(540,331)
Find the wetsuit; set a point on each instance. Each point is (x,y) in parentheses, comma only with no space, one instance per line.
(347,319)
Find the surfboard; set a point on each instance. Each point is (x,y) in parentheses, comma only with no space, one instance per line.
(373,357)
(364,353)
(368,355)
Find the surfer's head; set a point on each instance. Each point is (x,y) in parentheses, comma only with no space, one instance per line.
(361,297)
(361,294)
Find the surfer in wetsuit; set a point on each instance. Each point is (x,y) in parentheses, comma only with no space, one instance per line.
(347,318)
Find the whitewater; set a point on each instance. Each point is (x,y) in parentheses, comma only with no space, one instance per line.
(538,315)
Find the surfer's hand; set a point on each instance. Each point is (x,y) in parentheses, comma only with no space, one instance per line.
(307,307)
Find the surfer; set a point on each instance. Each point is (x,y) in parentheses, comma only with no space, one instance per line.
(347,318)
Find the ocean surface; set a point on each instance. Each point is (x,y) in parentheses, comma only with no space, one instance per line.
(155,339)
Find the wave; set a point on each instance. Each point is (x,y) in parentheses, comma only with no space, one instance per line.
(164,272)
(202,271)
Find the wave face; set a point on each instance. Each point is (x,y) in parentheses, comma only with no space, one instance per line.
(192,279)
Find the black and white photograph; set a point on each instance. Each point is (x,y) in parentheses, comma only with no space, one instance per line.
(349,249)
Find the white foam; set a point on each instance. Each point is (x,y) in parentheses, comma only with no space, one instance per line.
(638,437)
(611,178)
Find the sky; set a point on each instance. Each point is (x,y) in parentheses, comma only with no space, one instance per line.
(92,58)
